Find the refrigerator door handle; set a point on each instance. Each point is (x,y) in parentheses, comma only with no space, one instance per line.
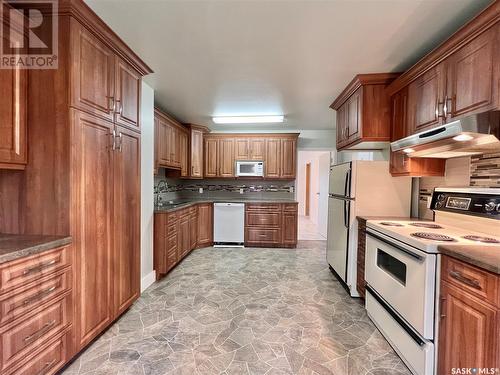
(345,182)
(345,215)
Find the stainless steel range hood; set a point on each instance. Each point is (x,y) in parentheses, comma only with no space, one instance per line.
(472,135)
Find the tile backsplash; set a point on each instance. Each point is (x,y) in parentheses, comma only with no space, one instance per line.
(485,170)
(173,189)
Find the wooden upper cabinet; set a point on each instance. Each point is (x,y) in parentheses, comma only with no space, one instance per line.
(241,149)
(257,148)
(93,73)
(363,111)
(13,118)
(288,158)
(472,75)
(126,220)
(127,95)
(211,157)
(426,100)
(183,151)
(226,157)
(196,151)
(272,168)
(458,78)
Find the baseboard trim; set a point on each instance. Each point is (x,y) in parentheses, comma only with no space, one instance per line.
(148,280)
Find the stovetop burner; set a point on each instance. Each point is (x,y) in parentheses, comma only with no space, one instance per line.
(480,239)
(391,224)
(426,225)
(433,236)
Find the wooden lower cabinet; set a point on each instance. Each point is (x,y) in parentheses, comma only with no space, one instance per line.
(470,311)
(360,274)
(37,313)
(271,224)
(177,233)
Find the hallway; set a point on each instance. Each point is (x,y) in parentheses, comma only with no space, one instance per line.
(244,311)
(308,230)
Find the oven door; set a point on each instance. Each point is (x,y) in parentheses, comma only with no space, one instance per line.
(404,277)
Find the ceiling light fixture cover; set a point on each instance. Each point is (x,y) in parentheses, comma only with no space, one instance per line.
(248,119)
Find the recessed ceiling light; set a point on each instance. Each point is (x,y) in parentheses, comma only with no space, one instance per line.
(408,150)
(463,137)
(248,119)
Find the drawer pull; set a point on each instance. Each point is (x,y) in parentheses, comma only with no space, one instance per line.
(39,296)
(46,327)
(39,267)
(46,367)
(466,280)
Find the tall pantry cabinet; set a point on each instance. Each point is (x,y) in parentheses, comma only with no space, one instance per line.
(83,173)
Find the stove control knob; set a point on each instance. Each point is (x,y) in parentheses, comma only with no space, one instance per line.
(490,206)
(441,197)
(498,207)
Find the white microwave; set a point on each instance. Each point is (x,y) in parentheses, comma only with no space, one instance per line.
(250,168)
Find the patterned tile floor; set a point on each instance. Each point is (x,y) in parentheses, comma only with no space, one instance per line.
(244,311)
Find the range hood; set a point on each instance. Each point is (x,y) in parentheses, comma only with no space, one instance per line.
(471,135)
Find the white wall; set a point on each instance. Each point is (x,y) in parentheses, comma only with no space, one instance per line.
(147,183)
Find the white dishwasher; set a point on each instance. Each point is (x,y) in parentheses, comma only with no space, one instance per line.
(229,224)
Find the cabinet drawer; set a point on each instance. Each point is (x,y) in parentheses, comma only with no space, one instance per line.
(290,207)
(261,235)
(474,280)
(47,361)
(269,219)
(22,338)
(17,303)
(20,272)
(275,207)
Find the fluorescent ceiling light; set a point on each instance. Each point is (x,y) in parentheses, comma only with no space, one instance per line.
(463,137)
(247,119)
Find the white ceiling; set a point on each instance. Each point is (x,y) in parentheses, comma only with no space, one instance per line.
(274,57)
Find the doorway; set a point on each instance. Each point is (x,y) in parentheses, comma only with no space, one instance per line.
(312,193)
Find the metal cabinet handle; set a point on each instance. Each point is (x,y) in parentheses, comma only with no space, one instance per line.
(120,107)
(441,307)
(474,283)
(439,113)
(120,143)
(111,103)
(46,327)
(39,296)
(39,267)
(46,367)
(113,136)
(446,109)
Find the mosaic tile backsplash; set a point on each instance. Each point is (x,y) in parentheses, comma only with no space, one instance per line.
(173,189)
(485,170)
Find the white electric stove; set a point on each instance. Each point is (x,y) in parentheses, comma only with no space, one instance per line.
(401,267)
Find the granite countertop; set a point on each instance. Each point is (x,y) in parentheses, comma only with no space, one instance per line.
(389,218)
(14,246)
(486,257)
(179,204)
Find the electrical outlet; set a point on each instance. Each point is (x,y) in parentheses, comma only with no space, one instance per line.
(241,191)
(200,190)
(291,189)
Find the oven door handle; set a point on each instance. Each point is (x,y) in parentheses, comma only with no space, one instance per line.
(420,258)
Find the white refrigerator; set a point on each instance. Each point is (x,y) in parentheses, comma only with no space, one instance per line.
(359,188)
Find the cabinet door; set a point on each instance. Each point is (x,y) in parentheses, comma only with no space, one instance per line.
(193,230)
(211,157)
(93,196)
(157,146)
(183,151)
(426,100)
(196,154)
(184,236)
(289,230)
(13,118)
(471,72)
(163,143)
(273,158)
(226,157)
(472,323)
(288,158)
(126,219)
(257,149)
(205,224)
(400,163)
(241,149)
(128,93)
(92,73)
(399,115)
(341,126)
(354,115)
